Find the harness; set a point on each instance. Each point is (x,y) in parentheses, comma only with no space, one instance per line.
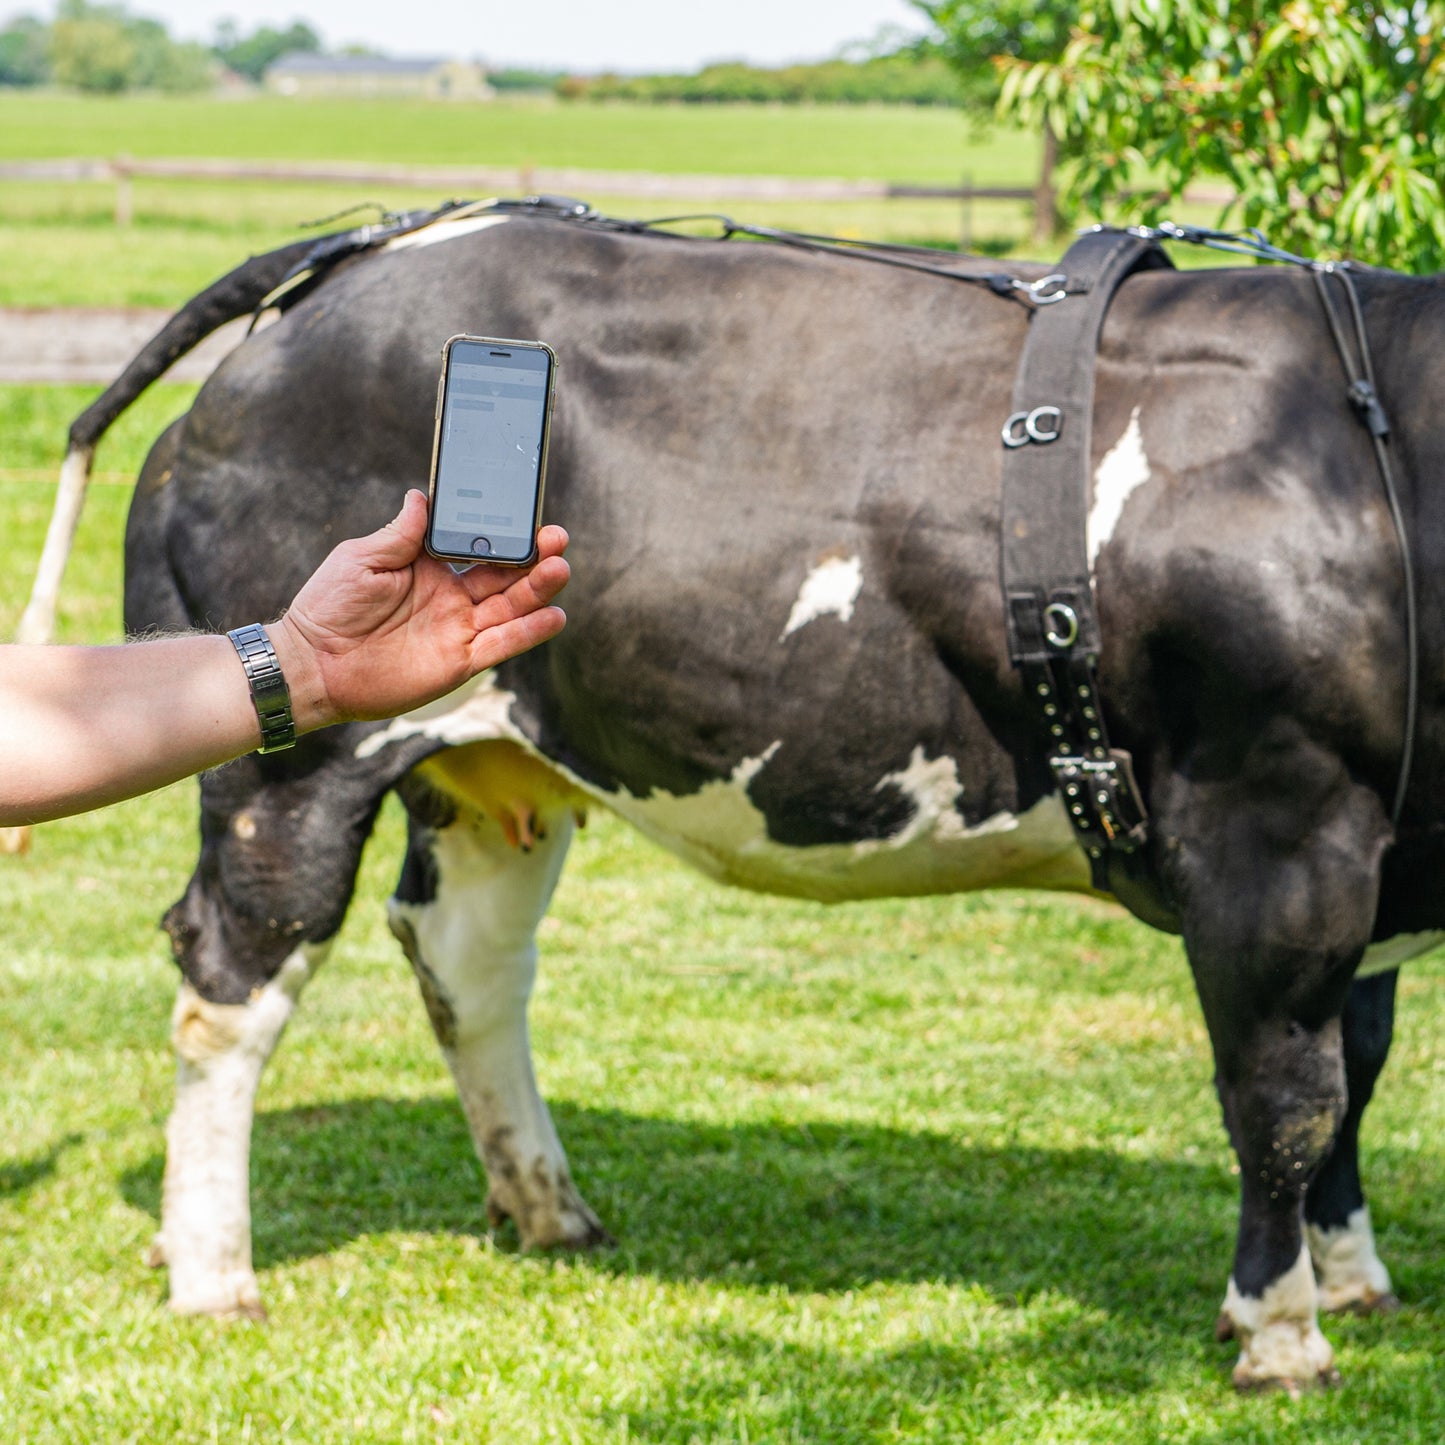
(1053,630)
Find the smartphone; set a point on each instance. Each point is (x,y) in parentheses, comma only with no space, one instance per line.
(489,457)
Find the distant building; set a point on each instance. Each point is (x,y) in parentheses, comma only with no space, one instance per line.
(364,75)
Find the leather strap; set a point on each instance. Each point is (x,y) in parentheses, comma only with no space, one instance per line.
(1053,629)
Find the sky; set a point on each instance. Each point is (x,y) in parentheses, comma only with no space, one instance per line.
(582,35)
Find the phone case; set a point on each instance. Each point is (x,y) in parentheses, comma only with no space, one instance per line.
(469,558)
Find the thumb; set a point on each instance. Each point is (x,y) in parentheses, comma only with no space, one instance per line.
(398,543)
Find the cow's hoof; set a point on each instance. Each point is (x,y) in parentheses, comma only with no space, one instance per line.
(227,1297)
(572,1226)
(1286,1355)
(1370,1302)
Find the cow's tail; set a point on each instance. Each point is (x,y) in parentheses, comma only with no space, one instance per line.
(235,294)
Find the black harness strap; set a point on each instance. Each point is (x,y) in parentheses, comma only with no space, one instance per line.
(1053,631)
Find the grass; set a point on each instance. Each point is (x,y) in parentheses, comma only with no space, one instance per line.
(927,1170)
(62,247)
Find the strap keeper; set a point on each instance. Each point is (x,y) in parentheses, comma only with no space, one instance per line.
(269,694)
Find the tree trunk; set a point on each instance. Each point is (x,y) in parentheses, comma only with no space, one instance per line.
(1047,220)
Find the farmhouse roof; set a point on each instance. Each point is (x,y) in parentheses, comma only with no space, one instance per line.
(301,62)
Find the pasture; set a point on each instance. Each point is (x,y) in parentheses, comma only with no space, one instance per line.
(943,1169)
(940,1169)
(60,242)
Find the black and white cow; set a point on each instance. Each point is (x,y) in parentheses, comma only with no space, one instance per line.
(786,661)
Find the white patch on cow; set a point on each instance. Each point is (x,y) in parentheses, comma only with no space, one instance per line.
(474,952)
(1280,1339)
(1123,470)
(478,711)
(1382,957)
(443,230)
(221,1050)
(1348,1271)
(831,587)
(721,831)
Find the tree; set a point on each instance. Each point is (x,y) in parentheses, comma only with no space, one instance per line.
(91,49)
(25,52)
(975,36)
(250,55)
(1322,115)
(104,49)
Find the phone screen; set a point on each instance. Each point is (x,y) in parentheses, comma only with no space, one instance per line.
(487,491)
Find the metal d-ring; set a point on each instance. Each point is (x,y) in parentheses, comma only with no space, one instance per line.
(1042,425)
(1061,625)
(1046,290)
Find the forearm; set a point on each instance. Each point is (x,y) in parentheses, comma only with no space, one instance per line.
(85,726)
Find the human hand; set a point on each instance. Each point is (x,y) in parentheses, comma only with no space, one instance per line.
(382,626)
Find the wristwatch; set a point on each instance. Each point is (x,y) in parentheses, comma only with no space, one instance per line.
(269,693)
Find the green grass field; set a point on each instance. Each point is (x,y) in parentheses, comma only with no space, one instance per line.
(935,1170)
(62,247)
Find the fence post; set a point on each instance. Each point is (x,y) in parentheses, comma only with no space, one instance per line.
(965,236)
(124,201)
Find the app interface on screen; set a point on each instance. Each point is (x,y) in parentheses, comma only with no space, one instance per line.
(491,436)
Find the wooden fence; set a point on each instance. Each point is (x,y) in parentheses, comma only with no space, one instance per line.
(525,180)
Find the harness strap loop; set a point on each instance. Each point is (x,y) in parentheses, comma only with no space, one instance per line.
(1053,629)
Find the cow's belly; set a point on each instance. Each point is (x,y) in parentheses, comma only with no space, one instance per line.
(721,831)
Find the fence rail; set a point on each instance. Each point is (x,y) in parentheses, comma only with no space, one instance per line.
(525,180)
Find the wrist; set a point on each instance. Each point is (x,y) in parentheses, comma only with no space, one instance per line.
(310,706)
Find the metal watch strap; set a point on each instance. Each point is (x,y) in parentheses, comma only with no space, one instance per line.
(269,693)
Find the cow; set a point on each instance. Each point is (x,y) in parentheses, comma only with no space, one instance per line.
(786,661)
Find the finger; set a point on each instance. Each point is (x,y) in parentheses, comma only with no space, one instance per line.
(398,543)
(508,639)
(549,571)
(535,588)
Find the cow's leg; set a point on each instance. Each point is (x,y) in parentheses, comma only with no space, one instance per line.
(220,1050)
(1349,1272)
(279,851)
(466,911)
(1280,901)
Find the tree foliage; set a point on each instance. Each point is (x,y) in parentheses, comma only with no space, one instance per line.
(249,55)
(104,49)
(25,52)
(1322,115)
(974,35)
(904,77)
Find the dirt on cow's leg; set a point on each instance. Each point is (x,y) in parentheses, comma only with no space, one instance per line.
(1276,921)
(466,912)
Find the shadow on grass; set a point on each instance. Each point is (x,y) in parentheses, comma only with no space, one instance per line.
(18,1175)
(809,1207)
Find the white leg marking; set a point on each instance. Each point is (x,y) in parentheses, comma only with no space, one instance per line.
(1280,1341)
(831,587)
(1349,1273)
(1123,470)
(475,955)
(221,1050)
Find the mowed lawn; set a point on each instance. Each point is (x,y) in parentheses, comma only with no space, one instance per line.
(62,247)
(943,1169)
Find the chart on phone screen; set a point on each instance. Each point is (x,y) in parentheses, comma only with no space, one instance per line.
(487,470)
